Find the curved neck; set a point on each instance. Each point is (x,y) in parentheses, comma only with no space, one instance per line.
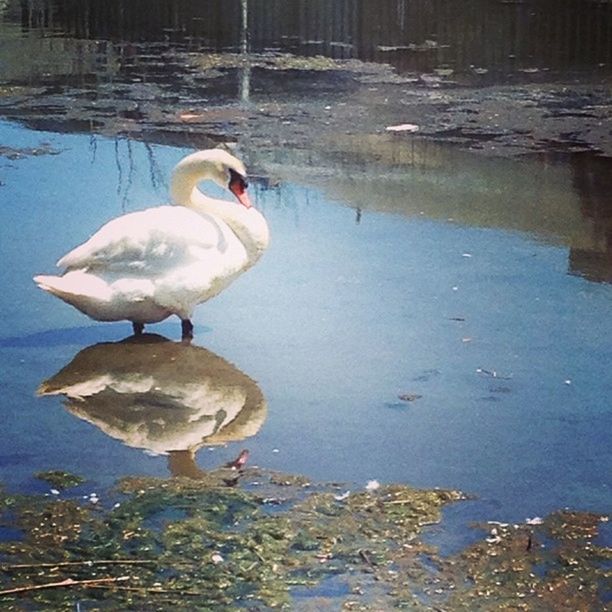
(249,225)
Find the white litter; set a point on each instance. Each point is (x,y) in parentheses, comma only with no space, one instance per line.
(372,485)
(403,127)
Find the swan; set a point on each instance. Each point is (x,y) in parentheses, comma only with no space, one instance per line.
(148,265)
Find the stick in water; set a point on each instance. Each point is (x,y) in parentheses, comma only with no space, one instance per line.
(63,583)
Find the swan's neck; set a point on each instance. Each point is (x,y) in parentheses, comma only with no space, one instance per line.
(249,225)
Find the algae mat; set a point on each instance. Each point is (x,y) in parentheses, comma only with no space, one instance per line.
(255,539)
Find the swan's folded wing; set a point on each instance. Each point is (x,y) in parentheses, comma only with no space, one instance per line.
(146,238)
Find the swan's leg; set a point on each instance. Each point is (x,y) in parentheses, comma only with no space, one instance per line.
(186,329)
(138,328)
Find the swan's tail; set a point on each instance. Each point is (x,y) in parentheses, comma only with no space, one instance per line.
(52,284)
(74,287)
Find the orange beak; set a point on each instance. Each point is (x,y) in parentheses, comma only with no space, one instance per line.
(239,190)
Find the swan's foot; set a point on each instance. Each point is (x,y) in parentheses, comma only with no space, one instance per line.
(138,328)
(186,330)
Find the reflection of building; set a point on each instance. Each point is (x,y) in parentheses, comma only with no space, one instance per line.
(161,396)
(593,181)
(566,204)
(412,36)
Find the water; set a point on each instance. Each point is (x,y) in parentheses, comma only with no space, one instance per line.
(507,345)
(423,315)
(482,40)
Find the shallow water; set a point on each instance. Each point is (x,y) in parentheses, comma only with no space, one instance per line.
(495,335)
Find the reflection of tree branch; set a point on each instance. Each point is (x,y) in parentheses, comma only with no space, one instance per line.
(125,178)
(155,173)
(245,70)
(118,164)
(130,176)
(93,143)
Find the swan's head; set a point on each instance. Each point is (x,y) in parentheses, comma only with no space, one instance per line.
(214,164)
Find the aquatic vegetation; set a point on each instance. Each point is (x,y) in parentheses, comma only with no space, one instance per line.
(270,61)
(13,153)
(554,564)
(273,539)
(60,479)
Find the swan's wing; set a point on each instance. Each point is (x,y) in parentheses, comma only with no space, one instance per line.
(146,238)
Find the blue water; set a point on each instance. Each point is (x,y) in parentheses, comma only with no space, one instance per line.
(510,353)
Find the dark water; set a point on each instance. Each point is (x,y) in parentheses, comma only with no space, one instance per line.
(486,40)
(423,315)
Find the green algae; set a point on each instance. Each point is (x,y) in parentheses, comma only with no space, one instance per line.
(274,541)
(60,479)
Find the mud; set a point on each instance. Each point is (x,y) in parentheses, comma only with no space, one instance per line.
(280,100)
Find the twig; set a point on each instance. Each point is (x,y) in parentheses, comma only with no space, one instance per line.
(366,558)
(152,590)
(256,553)
(63,583)
(73,563)
(493,374)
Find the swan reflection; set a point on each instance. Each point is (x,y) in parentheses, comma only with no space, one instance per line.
(162,396)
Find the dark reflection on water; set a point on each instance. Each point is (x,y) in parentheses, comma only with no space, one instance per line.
(477,39)
(593,181)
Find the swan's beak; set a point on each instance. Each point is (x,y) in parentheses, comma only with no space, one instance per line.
(238,189)
(244,199)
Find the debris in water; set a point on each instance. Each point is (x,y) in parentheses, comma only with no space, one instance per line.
(372,485)
(403,127)
(493,374)
(409,397)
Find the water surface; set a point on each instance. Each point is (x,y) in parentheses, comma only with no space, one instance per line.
(491,330)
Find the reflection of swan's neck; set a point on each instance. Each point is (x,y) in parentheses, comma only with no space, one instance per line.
(182,463)
(249,224)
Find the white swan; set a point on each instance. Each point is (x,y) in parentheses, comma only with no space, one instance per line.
(145,266)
